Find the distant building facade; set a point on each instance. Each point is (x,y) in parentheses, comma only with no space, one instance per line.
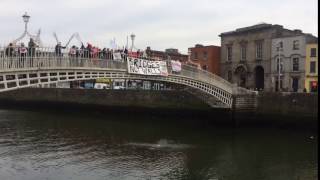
(208,57)
(311,78)
(288,63)
(246,55)
(168,54)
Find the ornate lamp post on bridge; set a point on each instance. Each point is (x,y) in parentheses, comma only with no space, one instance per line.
(132,36)
(36,38)
(26,18)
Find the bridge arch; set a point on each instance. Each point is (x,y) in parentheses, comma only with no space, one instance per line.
(24,79)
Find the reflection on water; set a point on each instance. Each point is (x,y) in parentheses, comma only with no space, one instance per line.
(161,144)
(48,145)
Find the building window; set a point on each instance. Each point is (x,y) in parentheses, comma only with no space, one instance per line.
(195,55)
(312,67)
(205,55)
(281,65)
(243,52)
(279,46)
(295,64)
(229,76)
(259,50)
(313,52)
(229,53)
(295,44)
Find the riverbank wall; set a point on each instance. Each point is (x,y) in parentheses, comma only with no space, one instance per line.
(299,110)
(128,103)
(272,109)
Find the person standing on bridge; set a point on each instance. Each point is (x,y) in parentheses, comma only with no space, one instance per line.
(10,53)
(10,50)
(58,51)
(108,54)
(82,53)
(89,51)
(31,51)
(103,54)
(72,55)
(22,51)
(125,54)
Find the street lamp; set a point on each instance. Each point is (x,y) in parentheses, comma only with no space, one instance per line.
(25,18)
(36,37)
(280,46)
(132,36)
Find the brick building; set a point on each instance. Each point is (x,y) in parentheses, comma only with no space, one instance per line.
(208,57)
(168,54)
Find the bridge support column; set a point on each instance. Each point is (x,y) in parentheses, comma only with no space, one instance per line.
(28,79)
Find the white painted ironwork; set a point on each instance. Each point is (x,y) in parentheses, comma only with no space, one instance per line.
(74,35)
(36,37)
(46,66)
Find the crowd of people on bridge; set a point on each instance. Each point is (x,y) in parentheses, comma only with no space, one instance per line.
(23,56)
(22,50)
(26,54)
(89,51)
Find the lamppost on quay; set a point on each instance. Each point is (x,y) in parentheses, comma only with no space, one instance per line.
(279,47)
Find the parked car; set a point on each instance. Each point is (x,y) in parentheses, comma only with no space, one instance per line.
(118,84)
(101,86)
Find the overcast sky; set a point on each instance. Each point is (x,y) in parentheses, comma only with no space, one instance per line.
(160,24)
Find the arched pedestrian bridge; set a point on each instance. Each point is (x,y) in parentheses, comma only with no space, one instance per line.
(45,67)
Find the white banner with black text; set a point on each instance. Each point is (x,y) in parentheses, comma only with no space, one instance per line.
(147,67)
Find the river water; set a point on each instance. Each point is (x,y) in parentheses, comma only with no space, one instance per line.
(82,146)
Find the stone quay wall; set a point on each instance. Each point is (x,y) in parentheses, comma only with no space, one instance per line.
(112,98)
(279,109)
